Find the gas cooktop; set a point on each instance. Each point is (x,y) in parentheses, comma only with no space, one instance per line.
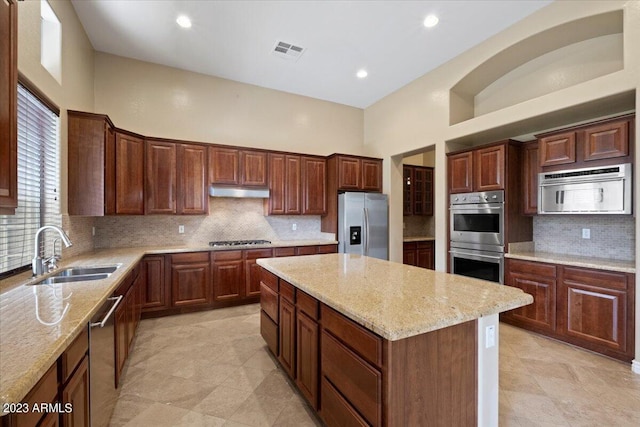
(239,242)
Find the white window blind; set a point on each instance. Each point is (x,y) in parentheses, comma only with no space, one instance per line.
(38,183)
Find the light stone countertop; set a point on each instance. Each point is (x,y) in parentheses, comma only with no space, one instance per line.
(391,299)
(573,260)
(410,239)
(34,328)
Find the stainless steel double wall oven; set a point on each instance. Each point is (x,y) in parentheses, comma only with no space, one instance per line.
(477,235)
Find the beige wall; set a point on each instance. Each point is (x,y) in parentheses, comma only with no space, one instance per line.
(166,102)
(417,115)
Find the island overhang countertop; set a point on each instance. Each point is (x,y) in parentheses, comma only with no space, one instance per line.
(394,300)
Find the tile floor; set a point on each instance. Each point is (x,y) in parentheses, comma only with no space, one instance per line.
(212,369)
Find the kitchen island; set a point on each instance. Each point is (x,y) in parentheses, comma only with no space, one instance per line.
(372,342)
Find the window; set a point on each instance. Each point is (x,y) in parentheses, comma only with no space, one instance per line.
(51,41)
(38,183)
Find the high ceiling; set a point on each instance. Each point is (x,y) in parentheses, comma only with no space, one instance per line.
(235,39)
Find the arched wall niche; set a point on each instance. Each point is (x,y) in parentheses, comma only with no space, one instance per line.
(551,60)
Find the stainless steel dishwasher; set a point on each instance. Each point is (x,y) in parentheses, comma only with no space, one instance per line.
(103,392)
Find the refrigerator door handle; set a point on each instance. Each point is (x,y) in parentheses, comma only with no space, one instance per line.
(366,231)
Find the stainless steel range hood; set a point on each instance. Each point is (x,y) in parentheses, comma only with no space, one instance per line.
(240,192)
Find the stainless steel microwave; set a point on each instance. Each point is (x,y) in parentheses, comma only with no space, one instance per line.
(601,190)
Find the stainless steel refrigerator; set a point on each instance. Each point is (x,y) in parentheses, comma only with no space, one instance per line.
(363,224)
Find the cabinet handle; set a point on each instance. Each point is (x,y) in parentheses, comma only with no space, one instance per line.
(113,308)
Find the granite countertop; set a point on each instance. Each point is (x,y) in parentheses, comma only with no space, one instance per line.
(409,239)
(37,323)
(574,260)
(391,299)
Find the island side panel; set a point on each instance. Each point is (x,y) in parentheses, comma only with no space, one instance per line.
(433,377)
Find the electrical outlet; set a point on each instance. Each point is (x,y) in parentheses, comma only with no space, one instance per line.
(490,338)
(181,229)
(93,231)
(294,227)
(586,233)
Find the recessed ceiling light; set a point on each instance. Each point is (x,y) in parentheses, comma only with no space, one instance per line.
(431,21)
(184,21)
(361,74)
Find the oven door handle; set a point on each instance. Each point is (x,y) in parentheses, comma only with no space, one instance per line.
(474,208)
(109,313)
(475,255)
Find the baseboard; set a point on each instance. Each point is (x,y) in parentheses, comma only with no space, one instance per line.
(635,366)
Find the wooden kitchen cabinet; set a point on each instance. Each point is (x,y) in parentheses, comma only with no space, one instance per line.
(193,195)
(314,194)
(160,177)
(287,333)
(228,275)
(559,149)
(407,190)
(252,270)
(307,346)
(121,328)
(155,292)
(9,107)
(489,167)
(285,184)
(417,190)
(460,172)
(597,310)
(190,279)
(349,174)
(76,393)
(372,175)
(231,166)
(530,171)
(409,254)
(129,173)
(606,141)
(419,254)
(538,280)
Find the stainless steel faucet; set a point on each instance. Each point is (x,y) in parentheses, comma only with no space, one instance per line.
(38,264)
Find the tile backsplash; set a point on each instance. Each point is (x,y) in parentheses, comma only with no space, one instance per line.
(79,230)
(612,236)
(417,225)
(229,219)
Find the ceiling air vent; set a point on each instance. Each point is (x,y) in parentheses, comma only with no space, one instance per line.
(287,50)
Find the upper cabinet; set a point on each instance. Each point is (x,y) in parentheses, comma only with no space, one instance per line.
(314,177)
(129,174)
(193,198)
(285,184)
(9,107)
(530,170)
(417,190)
(357,173)
(231,166)
(160,190)
(480,169)
(600,143)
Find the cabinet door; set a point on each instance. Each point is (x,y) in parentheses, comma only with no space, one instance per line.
(121,339)
(224,166)
(557,149)
(425,255)
(253,168)
(277,184)
(287,336)
(407,190)
(372,175)
(9,107)
(52,419)
(109,171)
(530,170)
(606,141)
(193,197)
(160,190)
(461,172)
(293,185)
(489,166)
(409,257)
(314,195)
(131,299)
(422,191)
(155,293)
(595,309)
(252,270)
(190,284)
(228,276)
(542,313)
(349,173)
(307,367)
(129,173)
(76,392)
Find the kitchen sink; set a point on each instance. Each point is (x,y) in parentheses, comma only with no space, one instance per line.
(84,271)
(77,278)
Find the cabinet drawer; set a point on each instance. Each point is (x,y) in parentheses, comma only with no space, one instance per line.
(328,249)
(45,391)
(284,252)
(362,341)
(335,410)
(531,268)
(599,278)
(424,245)
(307,304)
(74,354)
(258,253)
(358,381)
(190,257)
(269,332)
(306,250)
(287,291)
(269,279)
(269,301)
(227,255)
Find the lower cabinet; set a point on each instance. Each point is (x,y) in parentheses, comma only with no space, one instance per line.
(76,393)
(156,295)
(127,318)
(419,254)
(590,308)
(252,270)
(228,275)
(190,279)
(287,335)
